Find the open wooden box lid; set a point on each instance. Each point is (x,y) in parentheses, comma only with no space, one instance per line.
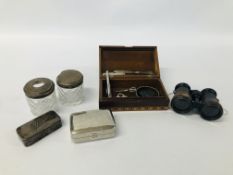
(135,58)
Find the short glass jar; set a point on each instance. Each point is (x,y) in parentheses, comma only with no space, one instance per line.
(70,87)
(40,94)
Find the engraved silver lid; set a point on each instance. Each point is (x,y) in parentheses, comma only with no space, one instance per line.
(70,79)
(92,125)
(39,88)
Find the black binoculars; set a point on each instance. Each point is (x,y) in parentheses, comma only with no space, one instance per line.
(205,102)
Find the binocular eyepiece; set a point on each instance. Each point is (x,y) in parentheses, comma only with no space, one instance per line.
(205,102)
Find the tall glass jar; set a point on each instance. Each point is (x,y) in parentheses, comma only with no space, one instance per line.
(40,95)
(70,87)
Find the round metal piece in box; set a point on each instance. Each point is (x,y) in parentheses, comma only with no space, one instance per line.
(69,79)
(147,91)
(39,88)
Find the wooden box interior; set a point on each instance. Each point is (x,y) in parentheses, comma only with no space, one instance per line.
(131,59)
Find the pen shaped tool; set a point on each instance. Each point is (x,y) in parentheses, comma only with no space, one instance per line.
(108,90)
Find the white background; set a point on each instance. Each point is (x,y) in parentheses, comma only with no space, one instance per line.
(195,45)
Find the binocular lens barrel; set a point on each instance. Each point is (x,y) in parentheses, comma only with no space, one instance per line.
(182,100)
(210,108)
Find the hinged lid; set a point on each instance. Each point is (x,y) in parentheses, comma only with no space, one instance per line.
(135,60)
(91,121)
(39,88)
(70,79)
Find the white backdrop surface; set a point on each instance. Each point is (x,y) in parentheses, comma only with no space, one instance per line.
(195,45)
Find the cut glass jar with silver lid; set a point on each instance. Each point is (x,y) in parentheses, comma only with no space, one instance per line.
(70,87)
(40,95)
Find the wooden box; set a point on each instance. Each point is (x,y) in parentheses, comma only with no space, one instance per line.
(140,67)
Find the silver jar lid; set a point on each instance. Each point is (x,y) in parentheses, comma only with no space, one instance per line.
(39,88)
(69,79)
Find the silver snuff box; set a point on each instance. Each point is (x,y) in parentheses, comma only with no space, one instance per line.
(92,125)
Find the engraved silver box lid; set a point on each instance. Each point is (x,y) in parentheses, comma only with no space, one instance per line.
(39,127)
(92,125)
